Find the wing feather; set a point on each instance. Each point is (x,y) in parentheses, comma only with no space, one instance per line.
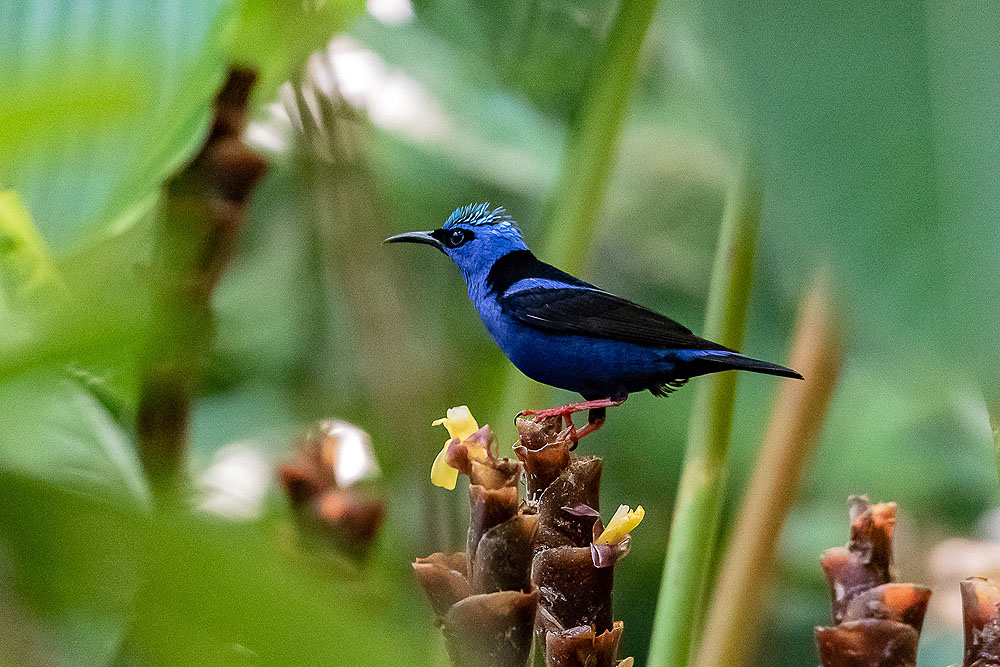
(598,314)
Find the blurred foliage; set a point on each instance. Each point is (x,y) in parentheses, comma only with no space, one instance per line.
(873,126)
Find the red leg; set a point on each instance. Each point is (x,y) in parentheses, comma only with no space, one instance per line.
(570,408)
(573,434)
(594,421)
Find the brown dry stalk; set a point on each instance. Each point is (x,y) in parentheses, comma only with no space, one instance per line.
(200,222)
(981,620)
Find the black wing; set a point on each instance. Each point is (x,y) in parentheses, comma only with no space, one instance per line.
(594,313)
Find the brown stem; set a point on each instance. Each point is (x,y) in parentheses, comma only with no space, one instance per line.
(200,222)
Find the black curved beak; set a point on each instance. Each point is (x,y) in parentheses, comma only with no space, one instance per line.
(416,237)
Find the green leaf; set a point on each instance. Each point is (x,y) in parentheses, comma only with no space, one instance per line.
(209,593)
(53,429)
(276,36)
(100,102)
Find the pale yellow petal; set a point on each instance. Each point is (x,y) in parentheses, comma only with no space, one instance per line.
(622,523)
(442,474)
(459,422)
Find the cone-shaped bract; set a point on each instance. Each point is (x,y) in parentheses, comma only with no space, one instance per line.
(503,557)
(544,453)
(444,580)
(488,508)
(868,643)
(981,616)
(578,485)
(581,647)
(878,622)
(346,516)
(864,563)
(574,592)
(490,630)
(483,598)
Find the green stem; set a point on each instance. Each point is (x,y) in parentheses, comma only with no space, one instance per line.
(593,138)
(588,161)
(695,527)
(733,622)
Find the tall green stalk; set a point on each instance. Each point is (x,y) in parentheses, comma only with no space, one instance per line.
(695,528)
(733,623)
(587,163)
(593,137)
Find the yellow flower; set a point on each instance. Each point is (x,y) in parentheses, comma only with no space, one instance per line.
(622,523)
(460,424)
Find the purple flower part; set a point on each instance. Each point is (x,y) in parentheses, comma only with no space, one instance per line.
(483,438)
(582,510)
(597,530)
(606,555)
(458,457)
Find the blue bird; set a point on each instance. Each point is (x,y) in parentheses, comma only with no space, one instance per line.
(564,332)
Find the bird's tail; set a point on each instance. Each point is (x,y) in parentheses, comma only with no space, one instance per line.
(739,362)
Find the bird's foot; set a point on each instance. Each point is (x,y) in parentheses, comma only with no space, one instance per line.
(595,418)
(570,408)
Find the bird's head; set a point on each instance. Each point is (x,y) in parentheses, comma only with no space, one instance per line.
(474,236)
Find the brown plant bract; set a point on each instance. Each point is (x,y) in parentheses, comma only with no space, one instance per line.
(575,622)
(581,647)
(877,622)
(346,517)
(483,597)
(981,618)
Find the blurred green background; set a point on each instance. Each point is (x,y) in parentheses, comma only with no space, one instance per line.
(874,130)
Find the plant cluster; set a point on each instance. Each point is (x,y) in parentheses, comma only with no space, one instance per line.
(877,621)
(538,569)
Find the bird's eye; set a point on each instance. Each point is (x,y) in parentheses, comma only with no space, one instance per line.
(457,238)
